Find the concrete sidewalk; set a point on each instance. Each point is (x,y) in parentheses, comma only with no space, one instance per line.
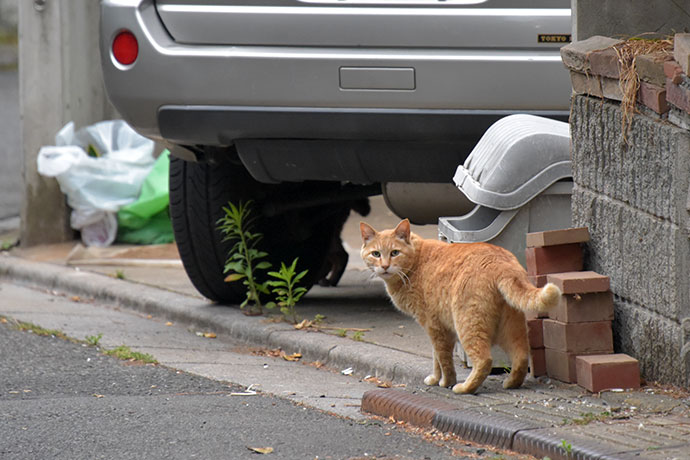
(544,418)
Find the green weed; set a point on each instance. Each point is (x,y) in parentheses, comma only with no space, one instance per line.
(243,262)
(125,353)
(6,245)
(318,319)
(286,290)
(93,340)
(588,417)
(38,330)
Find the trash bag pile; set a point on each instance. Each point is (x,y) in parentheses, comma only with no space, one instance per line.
(116,188)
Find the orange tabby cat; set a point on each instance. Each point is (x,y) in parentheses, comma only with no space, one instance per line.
(476,292)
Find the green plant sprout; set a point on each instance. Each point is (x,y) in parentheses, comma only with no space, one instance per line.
(318,319)
(286,290)
(243,258)
(93,340)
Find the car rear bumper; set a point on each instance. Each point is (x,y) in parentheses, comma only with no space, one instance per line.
(215,95)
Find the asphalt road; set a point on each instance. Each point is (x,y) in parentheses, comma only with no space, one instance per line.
(64,400)
(10,146)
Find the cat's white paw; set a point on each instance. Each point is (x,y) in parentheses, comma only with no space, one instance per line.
(431,380)
(461,388)
(445,383)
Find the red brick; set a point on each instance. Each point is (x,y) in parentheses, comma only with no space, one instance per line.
(650,68)
(556,237)
(535,333)
(576,282)
(575,55)
(538,362)
(653,97)
(560,365)
(553,259)
(604,63)
(678,96)
(591,337)
(604,372)
(673,72)
(596,85)
(580,308)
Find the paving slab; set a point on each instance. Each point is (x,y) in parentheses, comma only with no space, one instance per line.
(180,347)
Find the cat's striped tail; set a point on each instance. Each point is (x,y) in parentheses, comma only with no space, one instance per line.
(521,294)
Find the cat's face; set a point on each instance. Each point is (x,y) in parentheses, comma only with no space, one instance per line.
(387,253)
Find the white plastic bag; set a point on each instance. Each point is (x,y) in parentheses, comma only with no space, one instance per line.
(96,187)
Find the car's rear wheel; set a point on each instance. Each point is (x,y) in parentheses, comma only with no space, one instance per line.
(198,192)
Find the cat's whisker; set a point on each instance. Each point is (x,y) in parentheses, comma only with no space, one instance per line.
(404,278)
(372,277)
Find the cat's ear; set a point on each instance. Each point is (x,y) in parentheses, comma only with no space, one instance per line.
(402,231)
(368,232)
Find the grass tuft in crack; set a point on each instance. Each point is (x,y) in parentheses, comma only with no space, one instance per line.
(93,340)
(38,330)
(125,353)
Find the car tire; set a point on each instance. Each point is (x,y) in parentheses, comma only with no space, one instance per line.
(198,192)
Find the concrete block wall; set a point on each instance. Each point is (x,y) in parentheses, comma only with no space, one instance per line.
(635,199)
(614,18)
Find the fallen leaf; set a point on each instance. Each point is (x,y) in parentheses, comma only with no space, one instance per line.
(96,395)
(76,298)
(305,323)
(149,316)
(292,357)
(275,353)
(378,382)
(316,364)
(261,450)
(169,323)
(210,335)
(3,320)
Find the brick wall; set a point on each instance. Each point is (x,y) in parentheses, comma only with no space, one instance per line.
(635,199)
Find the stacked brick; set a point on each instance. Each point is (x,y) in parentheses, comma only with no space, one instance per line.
(574,341)
(664,83)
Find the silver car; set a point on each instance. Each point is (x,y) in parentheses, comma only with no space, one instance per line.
(307,107)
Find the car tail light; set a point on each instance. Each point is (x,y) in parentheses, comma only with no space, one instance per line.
(125,48)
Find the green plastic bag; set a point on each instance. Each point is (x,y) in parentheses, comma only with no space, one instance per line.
(147,220)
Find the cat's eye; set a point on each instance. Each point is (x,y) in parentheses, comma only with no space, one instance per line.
(395,252)
(376,253)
